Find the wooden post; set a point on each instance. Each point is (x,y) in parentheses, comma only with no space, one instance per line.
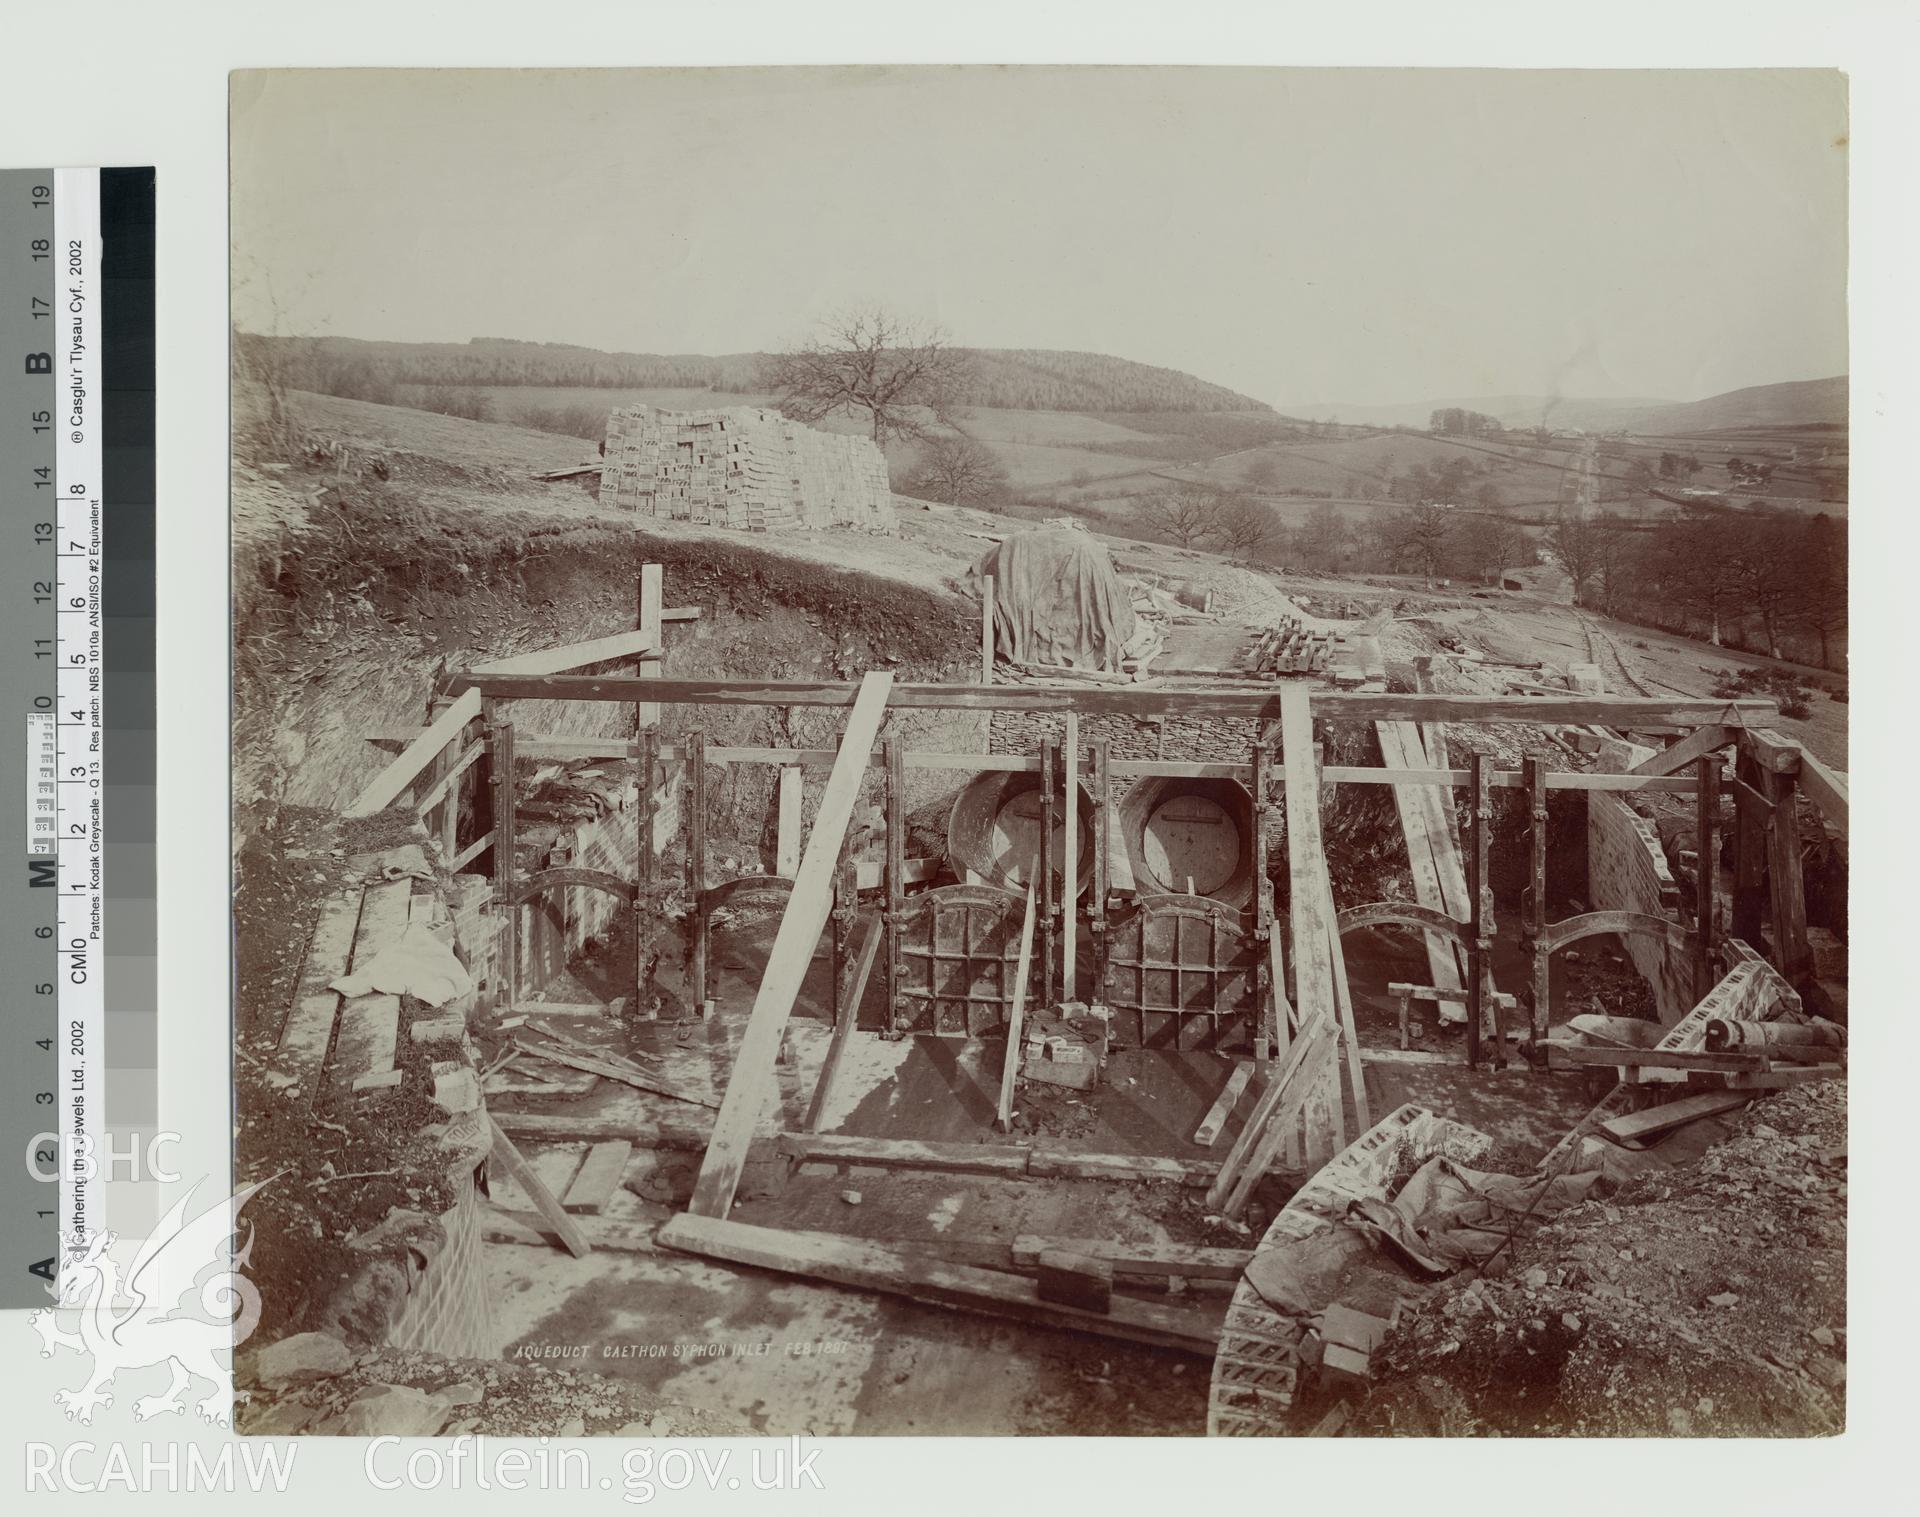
(646,713)
(751,1082)
(1706,869)
(1264,1000)
(1533,899)
(1048,905)
(696,761)
(1102,841)
(1750,838)
(1016,1013)
(1479,905)
(646,766)
(1070,863)
(787,836)
(505,845)
(896,877)
(986,630)
(1788,900)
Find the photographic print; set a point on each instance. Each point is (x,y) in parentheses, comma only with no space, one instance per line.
(1129,751)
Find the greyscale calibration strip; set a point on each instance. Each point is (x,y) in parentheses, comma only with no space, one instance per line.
(78,1076)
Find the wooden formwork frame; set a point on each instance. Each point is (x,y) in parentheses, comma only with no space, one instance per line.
(1315,932)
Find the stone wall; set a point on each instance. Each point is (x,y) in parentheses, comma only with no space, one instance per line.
(1627,871)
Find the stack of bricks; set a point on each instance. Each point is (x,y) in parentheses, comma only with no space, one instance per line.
(744,467)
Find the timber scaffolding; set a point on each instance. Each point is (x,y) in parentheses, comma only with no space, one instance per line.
(1298,1023)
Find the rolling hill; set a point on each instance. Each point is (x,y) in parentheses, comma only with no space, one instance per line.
(1799,402)
(1024,379)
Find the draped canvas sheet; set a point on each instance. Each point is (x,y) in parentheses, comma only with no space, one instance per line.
(1057,600)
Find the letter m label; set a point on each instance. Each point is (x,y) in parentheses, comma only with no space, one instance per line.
(42,872)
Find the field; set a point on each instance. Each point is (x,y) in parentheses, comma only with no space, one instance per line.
(1097,464)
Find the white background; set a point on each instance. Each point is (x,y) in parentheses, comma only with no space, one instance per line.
(111,83)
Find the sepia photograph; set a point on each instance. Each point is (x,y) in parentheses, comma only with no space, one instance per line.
(1134,751)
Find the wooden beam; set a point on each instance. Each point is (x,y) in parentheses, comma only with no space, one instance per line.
(509,1158)
(1827,789)
(1792,952)
(1312,964)
(1683,754)
(1208,1132)
(902,1153)
(1706,871)
(1016,1009)
(392,782)
(1533,900)
(923,1277)
(598,650)
(986,630)
(1273,1117)
(593,1185)
(848,1021)
(1638,1126)
(506,845)
(787,835)
(1480,918)
(1015,763)
(1398,743)
(1635,712)
(651,592)
(1070,863)
(1189,1261)
(751,1081)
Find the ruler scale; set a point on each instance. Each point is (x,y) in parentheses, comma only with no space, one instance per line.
(58,324)
(80,725)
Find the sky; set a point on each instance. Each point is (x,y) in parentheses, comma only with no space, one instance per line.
(1299,235)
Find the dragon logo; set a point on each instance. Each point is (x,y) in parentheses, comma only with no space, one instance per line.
(149,1319)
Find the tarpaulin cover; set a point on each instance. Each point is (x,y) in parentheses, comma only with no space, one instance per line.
(1057,600)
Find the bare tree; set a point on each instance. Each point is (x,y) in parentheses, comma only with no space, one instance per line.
(1420,540)
(1575,541)
(901,376)
(1186,515)
(1243,527)
(1323,538)
(956,469)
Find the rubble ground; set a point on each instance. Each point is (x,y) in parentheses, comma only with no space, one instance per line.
(1705,1301)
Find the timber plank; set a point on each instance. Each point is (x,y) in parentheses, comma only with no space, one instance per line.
(873,1266)
(392,782)
(751,1083)
(598,1177)
(307,1032)
(905,1153)
(843,1031)
(1208,1132)
(1640,1125)
(1051,1162)
(509,1158)
(1635,712)
(598,650)
(1016,1012)
(1187,1260)
(690,1133)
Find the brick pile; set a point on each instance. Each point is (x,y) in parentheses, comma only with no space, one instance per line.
(744,467)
